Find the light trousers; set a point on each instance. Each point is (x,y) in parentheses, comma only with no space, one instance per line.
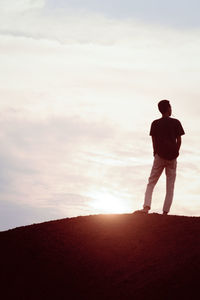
(159,165)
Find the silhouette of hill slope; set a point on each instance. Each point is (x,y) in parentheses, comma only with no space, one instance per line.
(125,256)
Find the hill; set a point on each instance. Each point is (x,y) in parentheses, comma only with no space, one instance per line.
(113,257)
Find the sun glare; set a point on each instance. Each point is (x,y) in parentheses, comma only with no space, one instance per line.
(108,203)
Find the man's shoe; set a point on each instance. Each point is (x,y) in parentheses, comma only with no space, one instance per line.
(143,211)
(165,213)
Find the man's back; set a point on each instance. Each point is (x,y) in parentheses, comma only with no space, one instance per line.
(165,132)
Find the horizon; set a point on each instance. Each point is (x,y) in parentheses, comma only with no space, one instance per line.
(80,83)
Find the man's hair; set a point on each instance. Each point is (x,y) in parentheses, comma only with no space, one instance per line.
(163,106)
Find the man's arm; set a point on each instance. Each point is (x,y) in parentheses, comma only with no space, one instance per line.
(154,145)
(178,142)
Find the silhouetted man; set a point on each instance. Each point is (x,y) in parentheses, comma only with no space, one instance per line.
(166,135)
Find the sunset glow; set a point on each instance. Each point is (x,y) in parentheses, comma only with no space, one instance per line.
(107,203)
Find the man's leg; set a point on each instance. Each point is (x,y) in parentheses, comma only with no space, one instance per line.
(158,166)
(170,171)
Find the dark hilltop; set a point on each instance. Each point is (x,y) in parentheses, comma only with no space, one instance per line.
(115,257)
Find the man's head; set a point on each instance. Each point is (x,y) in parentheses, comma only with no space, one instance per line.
(164,107)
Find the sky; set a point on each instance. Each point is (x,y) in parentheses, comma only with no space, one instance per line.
(80,83)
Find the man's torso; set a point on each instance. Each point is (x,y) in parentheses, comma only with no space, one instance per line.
(165,132)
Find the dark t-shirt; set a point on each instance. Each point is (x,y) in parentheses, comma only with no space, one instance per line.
(165,132)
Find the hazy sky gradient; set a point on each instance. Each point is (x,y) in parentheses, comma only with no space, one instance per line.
(181,13)
(80,82)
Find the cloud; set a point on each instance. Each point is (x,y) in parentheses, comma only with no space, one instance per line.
(40,158)
(179,13)
(57,162)
(15,214)
(19,6)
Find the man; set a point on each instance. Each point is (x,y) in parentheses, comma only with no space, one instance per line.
(166,135)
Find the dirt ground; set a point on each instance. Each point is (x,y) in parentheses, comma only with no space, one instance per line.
(115,257)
